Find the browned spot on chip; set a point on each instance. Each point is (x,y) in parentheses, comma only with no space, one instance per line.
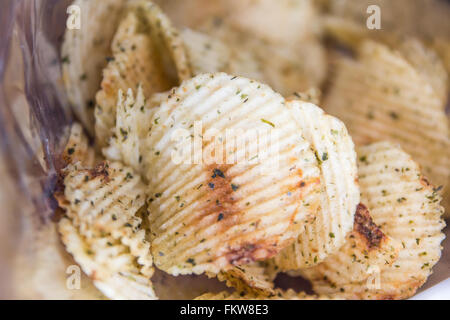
(366,228)
(248,253)
(100,170)
(221,198)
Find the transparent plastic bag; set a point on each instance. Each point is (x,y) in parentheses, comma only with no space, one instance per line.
(33,122)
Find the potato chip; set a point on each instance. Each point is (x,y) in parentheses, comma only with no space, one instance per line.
(353,268)
(111,268)
(231,179)
(132,125)
(325,233)
(406,208)
(381,96)
(78,148)
(249,278)
(277,295)
(148,51)
(83,55)
(103,229)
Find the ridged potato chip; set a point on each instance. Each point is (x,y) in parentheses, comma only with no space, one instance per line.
(356,265)
(249,278)
(406,208)
(132,126)
(325,233)
(109,265)
(146,51)
(83,55)
(277,295)
(78,148)
(102,227)
(226,204)
(381,96)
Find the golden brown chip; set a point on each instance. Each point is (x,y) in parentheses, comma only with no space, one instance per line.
(351,271)
(103,227)
(146,51)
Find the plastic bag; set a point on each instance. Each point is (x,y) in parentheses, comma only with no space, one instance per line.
(33,121)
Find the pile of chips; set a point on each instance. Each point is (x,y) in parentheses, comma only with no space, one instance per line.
(349,200)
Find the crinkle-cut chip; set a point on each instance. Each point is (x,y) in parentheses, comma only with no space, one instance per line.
(406,207)
(109,263)
(278,294)
(132,125)
(381,96)
(208,54)
(325,233)
(282,21)
(147,50)
(78,148)
(366,252)
(231,203)
(107,201)
(83,55)
(251,278)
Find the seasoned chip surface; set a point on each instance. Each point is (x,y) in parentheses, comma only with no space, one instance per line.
(146,51)
(208,214)
(102,227)
(381,96)
(325,233)
(405,208)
